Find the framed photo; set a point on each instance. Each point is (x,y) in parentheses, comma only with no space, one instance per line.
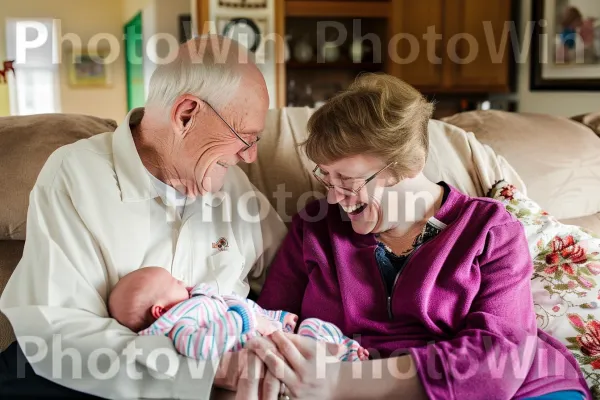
(185,28)
(566,45)
(89,70)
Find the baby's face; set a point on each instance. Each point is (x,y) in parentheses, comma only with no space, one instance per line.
(172,291)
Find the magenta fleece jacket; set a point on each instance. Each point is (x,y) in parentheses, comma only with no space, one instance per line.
(462,306)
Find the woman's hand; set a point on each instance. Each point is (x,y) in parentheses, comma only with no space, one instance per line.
(304,365)
(258,383)
(243,375)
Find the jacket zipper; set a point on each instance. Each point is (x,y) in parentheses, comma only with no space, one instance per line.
(387,295)
(391,294)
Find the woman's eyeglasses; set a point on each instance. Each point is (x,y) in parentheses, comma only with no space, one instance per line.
(248,145)
(358,184)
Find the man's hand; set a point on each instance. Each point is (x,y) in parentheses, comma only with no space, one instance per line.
(309,368)
(236,366)
(230,369)
(242,375)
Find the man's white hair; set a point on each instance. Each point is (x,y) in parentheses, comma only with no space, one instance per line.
(207,67)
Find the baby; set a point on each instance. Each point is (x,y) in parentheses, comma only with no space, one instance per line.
(204,325)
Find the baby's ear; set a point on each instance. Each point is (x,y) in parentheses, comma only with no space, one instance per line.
(157,311)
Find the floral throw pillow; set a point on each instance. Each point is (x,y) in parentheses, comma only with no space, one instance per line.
(565,281)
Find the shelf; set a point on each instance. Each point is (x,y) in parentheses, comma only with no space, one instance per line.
(338,9)
(348,65)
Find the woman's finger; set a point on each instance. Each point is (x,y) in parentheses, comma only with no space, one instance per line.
(271,387)
(291,353)
(275,362)
(264,343)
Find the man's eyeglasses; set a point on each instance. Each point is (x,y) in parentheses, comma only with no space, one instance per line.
(248,145)
(357,184)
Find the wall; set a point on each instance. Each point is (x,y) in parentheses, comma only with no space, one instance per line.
(132,7)
(587,7)
(149,28)
(162,16)
(4,102)
(556,103)
(158,16)
(84,18)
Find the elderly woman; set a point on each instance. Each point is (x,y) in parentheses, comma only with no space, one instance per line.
(434,283)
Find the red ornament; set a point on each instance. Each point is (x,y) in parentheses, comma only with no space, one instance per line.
(8,66)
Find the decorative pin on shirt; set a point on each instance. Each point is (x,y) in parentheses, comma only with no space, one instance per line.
(221,244)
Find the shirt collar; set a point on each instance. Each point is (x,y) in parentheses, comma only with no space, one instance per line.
(134,180)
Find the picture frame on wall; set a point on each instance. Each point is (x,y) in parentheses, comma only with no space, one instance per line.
(87,70)
(565,52)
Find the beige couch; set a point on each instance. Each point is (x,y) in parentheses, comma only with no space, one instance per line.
(556,160)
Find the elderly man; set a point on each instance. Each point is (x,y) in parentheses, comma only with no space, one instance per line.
(162,190)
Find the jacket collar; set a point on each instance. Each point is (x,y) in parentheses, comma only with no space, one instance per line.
(134,180)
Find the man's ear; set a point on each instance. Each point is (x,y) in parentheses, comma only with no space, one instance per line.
(184,113)
(157,311)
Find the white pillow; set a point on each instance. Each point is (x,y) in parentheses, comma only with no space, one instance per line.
(566,279)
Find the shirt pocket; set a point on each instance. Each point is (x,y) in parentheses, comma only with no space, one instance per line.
(226,267)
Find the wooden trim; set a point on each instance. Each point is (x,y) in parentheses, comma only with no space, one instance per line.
(472,89)
(280,77)
(364,9)
(395,25)
(449,29)
(202,16)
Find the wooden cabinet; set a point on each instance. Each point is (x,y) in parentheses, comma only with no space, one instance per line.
(480,33)
(461,45)
(414,54)
(337,8)
(439,46)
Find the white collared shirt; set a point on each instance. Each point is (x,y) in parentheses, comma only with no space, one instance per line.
(171,197)
(94,216)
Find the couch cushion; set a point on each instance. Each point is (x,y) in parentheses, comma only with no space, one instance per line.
(25,144)
(591,223)
(565,279)
(283,172)
(591,120)
(558,159)
(459,159)
(10,254)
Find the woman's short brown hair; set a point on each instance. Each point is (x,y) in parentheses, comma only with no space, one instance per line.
(378,115)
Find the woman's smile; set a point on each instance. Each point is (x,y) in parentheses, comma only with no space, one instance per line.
(354,209)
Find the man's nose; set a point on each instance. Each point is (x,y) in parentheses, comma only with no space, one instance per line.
(249,156)
(333,196)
